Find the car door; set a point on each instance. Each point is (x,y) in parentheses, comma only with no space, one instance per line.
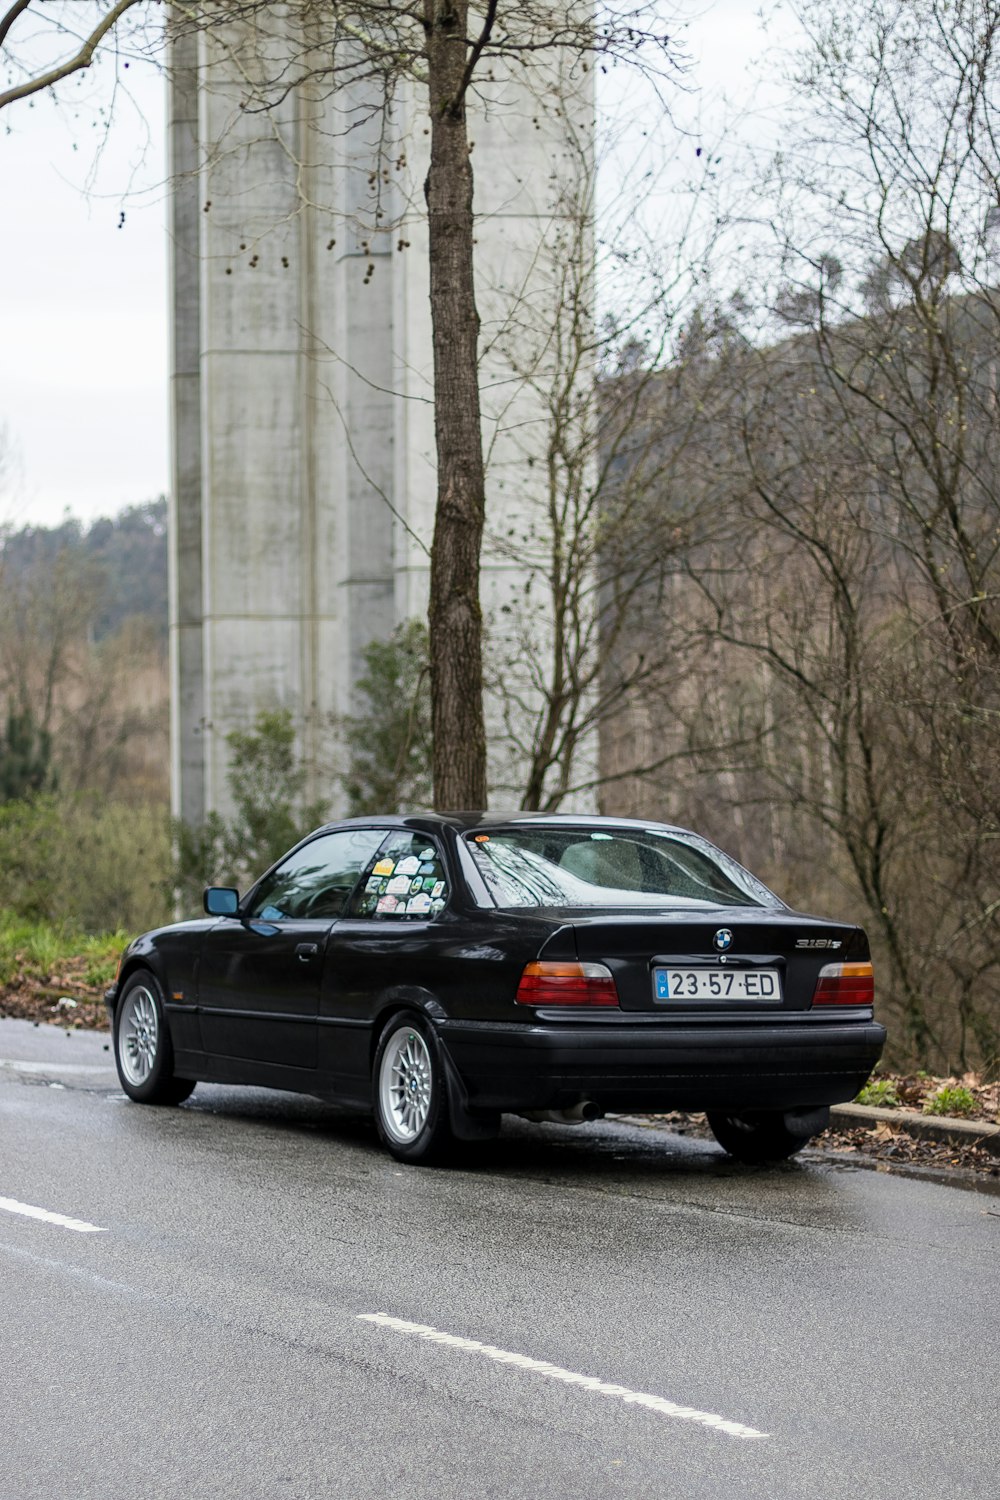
(260,971)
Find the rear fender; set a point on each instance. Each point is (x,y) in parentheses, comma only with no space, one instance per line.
(402,997)
(466,1125)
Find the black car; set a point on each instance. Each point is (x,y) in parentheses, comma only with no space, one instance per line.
(440,970)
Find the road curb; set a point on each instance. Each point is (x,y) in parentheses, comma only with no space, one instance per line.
(945,1128)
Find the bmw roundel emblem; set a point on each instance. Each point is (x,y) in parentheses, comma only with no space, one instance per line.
(723,940)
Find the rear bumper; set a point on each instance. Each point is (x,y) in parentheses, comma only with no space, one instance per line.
(653,1067)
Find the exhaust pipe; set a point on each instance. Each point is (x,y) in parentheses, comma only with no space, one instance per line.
(574,1114)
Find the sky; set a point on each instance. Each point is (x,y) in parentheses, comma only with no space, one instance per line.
(83,290)
(83,310)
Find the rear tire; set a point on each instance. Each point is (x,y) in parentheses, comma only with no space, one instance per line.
(767,1135)
(144,1053)
(409,1091)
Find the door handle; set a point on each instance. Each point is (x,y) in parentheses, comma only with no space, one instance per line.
(305,951)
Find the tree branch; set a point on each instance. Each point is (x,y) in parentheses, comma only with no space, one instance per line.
(76,64)
(475,54)
(16,10)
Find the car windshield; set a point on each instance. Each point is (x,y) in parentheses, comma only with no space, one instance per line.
(540,866)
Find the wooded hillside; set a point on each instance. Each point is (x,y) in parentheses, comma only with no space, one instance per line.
(83,677)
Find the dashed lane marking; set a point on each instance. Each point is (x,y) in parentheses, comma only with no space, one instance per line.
(42,1069)
(29,1211)
(657,1404)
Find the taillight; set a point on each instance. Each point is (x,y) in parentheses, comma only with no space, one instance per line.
(566,984)
(845,984)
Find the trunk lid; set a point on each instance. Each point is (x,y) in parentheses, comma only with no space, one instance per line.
(776,957)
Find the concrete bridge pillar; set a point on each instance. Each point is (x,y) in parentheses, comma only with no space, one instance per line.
(303,442)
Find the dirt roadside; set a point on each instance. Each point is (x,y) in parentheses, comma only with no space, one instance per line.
(882,1149)
(62,998)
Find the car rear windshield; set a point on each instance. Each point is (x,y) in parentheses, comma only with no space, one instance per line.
(580,867)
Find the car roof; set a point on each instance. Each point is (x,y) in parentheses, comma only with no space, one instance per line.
(462,822)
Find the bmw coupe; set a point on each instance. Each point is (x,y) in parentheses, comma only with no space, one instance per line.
(441,970)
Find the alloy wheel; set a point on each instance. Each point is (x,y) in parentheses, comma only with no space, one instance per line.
(406,1084)
(138,1035)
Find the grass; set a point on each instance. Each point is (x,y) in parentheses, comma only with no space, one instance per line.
(36,950)
(967,1097)
(952,1099)
(880,1092)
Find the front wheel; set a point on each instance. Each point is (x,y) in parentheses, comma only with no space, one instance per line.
(411,1105)
(144,1053)
(767,1135)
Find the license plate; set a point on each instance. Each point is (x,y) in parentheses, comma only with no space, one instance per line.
(718,984)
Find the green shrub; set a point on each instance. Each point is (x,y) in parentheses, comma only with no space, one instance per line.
(389,754)
(82,864)
(879,1092)
(267,784)
(25,757)
(952,1099)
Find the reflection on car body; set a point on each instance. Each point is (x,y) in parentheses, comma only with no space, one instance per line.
(441,970)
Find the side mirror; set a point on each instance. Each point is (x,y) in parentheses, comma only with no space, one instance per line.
(221,901)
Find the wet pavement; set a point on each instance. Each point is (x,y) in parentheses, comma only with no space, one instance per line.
(210,1330)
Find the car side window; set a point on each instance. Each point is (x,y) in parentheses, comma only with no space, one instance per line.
(316,880)
(406,880)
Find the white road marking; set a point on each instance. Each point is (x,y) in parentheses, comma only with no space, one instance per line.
(41,1069)
(658,1404)
(11,1206)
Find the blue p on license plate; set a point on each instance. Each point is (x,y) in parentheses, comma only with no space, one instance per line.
(763,985)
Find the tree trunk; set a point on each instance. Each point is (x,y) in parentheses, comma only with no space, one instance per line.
(454,615)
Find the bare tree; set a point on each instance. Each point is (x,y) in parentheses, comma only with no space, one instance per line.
(848,604)
(625,402)
(43,624)
(98,705)
(447,50)
(904,325)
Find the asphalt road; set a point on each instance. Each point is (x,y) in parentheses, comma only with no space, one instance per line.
(210,1333)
